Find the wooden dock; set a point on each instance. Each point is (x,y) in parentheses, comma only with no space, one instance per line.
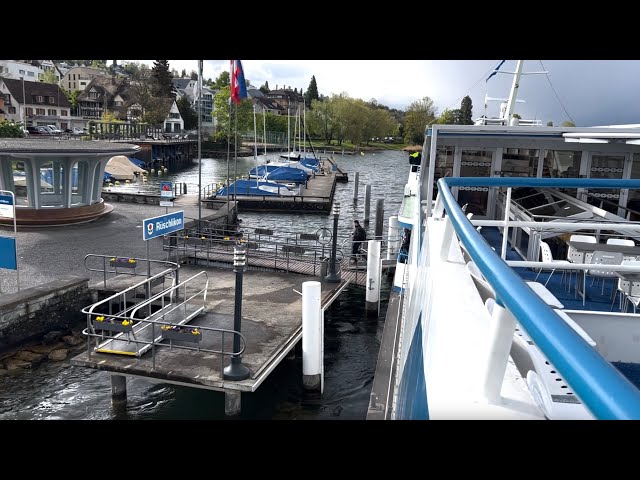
(271,326)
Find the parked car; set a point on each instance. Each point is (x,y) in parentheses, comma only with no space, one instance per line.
(79,131)
(55,130)
(38,131)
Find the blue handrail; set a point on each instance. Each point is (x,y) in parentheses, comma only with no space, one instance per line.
(603,389)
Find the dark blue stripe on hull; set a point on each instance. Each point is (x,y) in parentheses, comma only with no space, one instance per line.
(412,397)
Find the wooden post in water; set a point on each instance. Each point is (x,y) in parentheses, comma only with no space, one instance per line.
(118,388)
(367,202)
(379,218)
(355,187)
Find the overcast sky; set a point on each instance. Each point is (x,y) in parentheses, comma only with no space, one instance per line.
(593,92)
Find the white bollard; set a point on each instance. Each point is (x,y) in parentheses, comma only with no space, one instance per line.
(373,277)
(312,337)
(393,238)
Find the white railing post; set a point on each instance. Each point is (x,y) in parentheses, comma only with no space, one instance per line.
(446,239)
(505,233)
(500,337)
(393,240)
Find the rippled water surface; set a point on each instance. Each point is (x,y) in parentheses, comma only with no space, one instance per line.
(62,391)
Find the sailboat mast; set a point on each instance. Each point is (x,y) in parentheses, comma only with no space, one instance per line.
(199,141)
(264,126)
(288,132)
(304,125)
(255,142)
(514,93)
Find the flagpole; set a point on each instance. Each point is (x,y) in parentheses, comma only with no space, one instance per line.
(199,142)
(235,167)
(229,137)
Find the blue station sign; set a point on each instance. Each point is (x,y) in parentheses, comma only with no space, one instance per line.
(162,225)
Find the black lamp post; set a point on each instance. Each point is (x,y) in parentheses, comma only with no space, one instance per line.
(236,370)
(333,275)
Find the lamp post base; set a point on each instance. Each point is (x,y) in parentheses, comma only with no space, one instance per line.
(236,371)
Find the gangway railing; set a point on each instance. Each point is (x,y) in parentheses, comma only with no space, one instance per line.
(151,331)
(602,388)
(120,265)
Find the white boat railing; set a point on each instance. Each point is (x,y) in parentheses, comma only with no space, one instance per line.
(605,392)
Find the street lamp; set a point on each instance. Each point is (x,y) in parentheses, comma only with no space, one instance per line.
(236,370)
(333,275)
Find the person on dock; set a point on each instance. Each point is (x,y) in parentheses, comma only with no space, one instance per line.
(358,236)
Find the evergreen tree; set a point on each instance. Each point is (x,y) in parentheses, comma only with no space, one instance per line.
(466,109)
(312,92)
(162,77)
(265,88)
(194,75)
(184,73)
(189,115)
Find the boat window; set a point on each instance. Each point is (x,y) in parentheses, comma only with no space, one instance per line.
(562,164)
(605,166)
(443,167)
(519,162)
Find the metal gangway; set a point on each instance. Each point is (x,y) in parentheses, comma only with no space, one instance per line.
(118,265)
(161,321)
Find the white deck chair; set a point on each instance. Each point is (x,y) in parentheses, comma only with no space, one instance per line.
(627,242)
(547,257)
(601,258)
(627,289)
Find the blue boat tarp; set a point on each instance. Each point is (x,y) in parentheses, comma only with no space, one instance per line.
(311,163)
(262,170)
(287,174)
(137,163)
(259,188)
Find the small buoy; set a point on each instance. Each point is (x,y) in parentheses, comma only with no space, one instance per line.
(153,171)
(117,182)
(361,153)
(127,181)
(165,169)
(110,184)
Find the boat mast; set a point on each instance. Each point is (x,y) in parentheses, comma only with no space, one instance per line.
(304,125)
(264,126)
(255,142)
(514,93)
(288,132)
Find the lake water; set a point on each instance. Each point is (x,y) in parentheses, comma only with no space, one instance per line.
(62,391)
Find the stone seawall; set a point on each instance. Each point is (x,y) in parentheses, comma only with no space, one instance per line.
(131,198)
(33,312)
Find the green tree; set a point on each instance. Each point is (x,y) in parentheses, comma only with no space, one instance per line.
(49,77)
(568,123)
(183,74)
(222,80)
(162,76)
(448,117)
(131,68)
(73,97)
(193,75)
(419,114)
(98,64)
(221,112)
(10,130)
(265,88)
(312,92)
(143,90)
(321,120)
(466,111)
(549,123)
(189,115)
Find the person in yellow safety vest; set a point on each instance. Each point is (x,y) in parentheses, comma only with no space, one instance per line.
(415,158)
